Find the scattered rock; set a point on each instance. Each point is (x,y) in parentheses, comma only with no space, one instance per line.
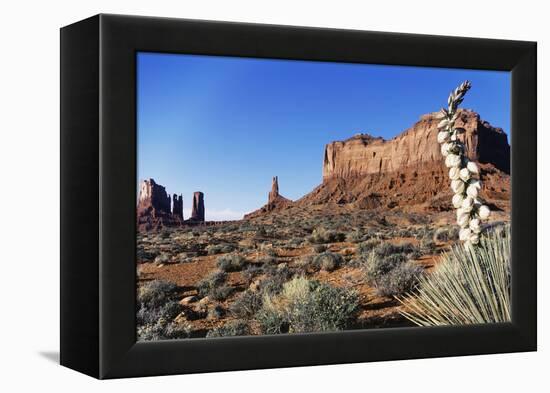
(188,300)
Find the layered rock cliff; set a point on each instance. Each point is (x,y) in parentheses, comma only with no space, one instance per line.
(408,170)
(366,155)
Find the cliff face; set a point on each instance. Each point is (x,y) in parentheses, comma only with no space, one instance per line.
(417,147)
(409,169)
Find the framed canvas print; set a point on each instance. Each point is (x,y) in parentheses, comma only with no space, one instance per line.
(239,196)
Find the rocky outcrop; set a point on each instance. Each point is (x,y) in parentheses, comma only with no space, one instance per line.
(177,206)
(274,193)
(197,212)
(408,170)
(154,208)
(275,201)
(416,147)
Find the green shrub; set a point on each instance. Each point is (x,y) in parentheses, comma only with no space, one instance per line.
(368,245)
(328,261)
(375,266)
(446,234)
(233,328)
(220,293)
(322,235)
(231,263)
(219,249)
(470,285)
(252,271)
(400,280)
(387,249)
(355,237)
(210,282)
(307,306)
(162,330)
(318,248)
(156,293)
(246,305)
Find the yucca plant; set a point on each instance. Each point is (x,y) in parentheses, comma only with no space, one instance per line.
(470,285)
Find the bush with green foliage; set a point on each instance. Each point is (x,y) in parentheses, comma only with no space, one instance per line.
(328,261)
(318,248)
(355,236)
(247,304)
(156,308)
(220,293)
(375,266)
(470,285)
(233,328)
(307,306)
(162,330)
(368,245)
(231,262)
(322,235)
(156,293)
(214,249)
(210,282)
(445,234)
(400,280)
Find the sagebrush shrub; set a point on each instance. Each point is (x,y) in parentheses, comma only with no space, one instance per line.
(156,293)
(445,234)
(307,306)
(213,280)
(328,261)
(246,305)
(233,328)
(368,245)
(231,263)
(376,266)
(322,235)
(400,280)
(219,249)
(318,248)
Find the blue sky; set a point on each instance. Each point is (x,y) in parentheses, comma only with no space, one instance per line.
(226,125)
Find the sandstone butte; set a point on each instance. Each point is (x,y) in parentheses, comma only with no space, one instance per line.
(155,208)
(408,170)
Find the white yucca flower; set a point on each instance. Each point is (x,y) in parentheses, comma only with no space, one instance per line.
(457,200)
(464,174)
(468,204)
(454,173)
(475,225)
(443,136)
(472,167)
(484,212)
(452,160)
(446,148)
(458,186)
(465,234)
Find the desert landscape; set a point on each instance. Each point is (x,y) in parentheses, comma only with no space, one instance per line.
(343,256)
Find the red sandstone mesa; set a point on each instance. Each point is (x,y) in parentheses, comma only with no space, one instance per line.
(408,170)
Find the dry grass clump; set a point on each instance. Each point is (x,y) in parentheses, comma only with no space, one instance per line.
(470,285)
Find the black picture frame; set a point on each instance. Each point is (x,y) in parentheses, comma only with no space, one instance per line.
(98,192)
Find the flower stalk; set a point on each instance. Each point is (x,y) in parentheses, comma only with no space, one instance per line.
(463,173)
